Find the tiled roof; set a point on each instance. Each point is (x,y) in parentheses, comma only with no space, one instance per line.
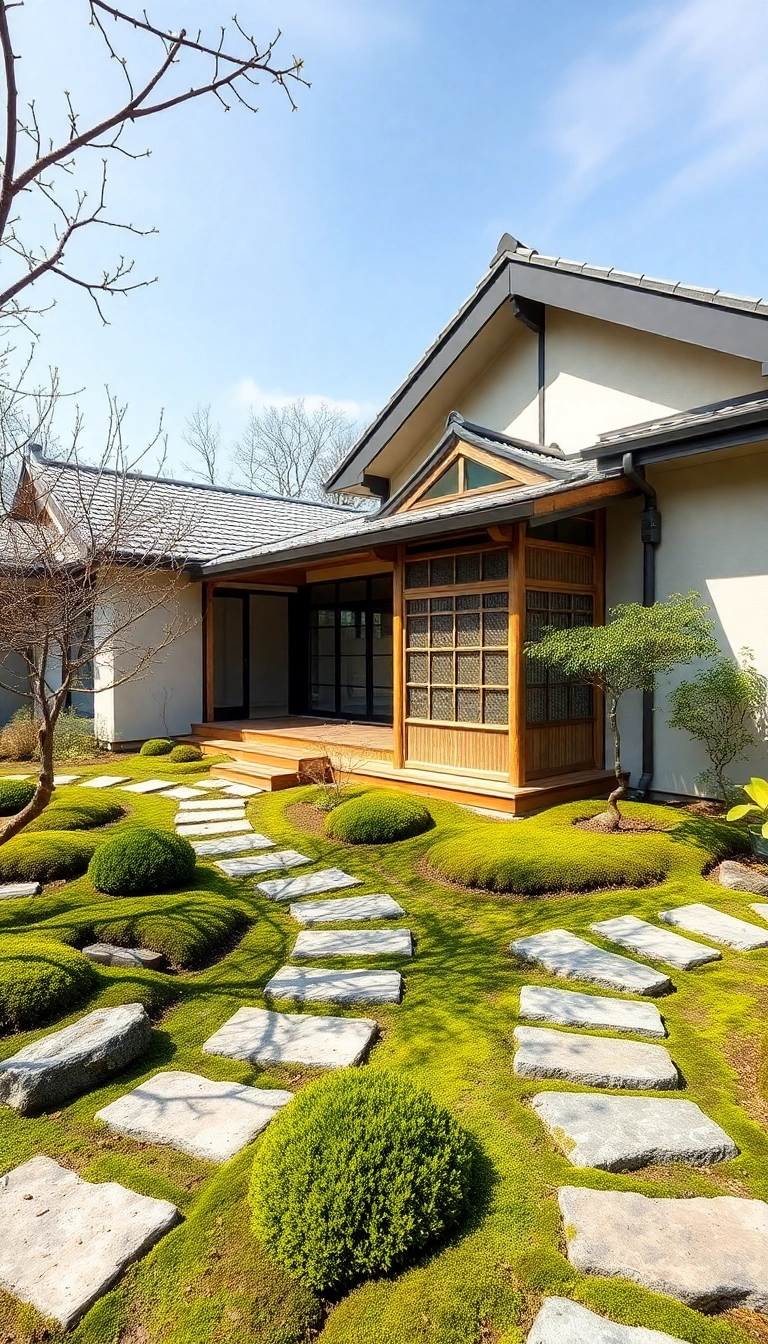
(719,412)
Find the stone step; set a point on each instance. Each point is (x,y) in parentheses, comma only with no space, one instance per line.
(260,1036)
(711,1254)
(353,943)
(60,781)
(197,804)
(148,785)
(131,958)
(346,908)
(214,828)
(67,1240)
(308,984)
(656,944)
(710,923)
(738,877)
(572,958)
(10,890)
(567,1008)
(625,1133)
(595,1060)
(232,844)
(74,1059)
(184,821)
(563,1322)
(233,789)
(311,884)
(263,863)
(206,1119)
(107,781)
(182,793)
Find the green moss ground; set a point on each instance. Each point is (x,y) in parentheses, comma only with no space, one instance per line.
(208,1281)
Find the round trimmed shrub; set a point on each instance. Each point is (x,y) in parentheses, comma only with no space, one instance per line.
(357,1176)
(76,810)
(188,927)
(15,794)
(377,818)
(142,860)
(185,751)
(53,856)
(39,978)
(156,746)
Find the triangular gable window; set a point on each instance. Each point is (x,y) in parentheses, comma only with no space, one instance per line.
(467,472)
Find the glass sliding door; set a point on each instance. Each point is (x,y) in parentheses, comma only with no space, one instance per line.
(231,670)
(350,642)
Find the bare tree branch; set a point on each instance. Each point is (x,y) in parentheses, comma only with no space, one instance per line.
(292,449)
(204,438)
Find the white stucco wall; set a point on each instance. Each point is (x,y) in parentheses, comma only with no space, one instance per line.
(715,541)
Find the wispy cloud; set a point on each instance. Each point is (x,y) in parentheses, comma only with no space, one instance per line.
(249,396)
(682,86)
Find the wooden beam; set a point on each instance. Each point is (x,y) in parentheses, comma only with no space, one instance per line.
(517,659)
(208,590)
(503,532)
(398,661)
(582,495)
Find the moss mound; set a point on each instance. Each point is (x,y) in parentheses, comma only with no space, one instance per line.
(39,979)
(15,794)
(357,1176)
(187,927)
(186,752)
(142,860)
(378,818)
(76,810)
(51,857)
(156,746)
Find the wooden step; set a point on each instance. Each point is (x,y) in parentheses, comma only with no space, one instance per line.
(282,756)
(260,776)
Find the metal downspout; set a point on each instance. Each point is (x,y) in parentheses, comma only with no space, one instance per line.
(650,533)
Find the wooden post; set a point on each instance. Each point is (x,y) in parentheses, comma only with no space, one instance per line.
(208,651)
(398,663)
(517,659)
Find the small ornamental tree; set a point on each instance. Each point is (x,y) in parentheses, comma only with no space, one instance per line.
(635,646)
(719,708)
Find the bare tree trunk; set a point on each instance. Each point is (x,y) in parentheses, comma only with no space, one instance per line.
(44,788)
(610,819)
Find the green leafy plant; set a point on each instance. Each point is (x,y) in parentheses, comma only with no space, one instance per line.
(14,794)
(53,856)
(186,751)
(636,646)
(73,737)
(156,746)
(141,860)
(18,737)
(357,1176)
(718,708)
(757,790)
(38,978)
(378,818)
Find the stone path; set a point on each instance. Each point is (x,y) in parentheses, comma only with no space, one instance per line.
(709,1253)
(738,877)
(259,1036)
(60,781)
(181,793)
(574,958)
(327,879)
(624,1133)
(132,958)
(699,918)
(596,1060)
(105,781)
(239,790)
(10,890)
(567,1008)
(263,863)
(205,1119)
(760,908)
(656,944)
(74,1059)
(306,984)
(353,943)
(198,804)
(564,1322)
(185,820)
(214,828)
(346,907)
(148,786)
(232,844)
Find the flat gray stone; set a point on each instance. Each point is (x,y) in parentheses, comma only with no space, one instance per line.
(189,820)
(197,1116)
(209,783)
(197,804)
(105,781)
(738,877)
(656,944)
(760,908)
(699,918)
(563,1322)
(307,984)
(148,785)
(625,1133)
(60,781)
(214,828)
(182,792)
(567,1008)
(353,943)
(66,1240)
(574,958)
(346,907)
(239,790)
(595,1060)
(260,1036)
(75,1059)
(263,863)
(133,958)
(709,1253)
(328,879)
(233,844)
(10,890)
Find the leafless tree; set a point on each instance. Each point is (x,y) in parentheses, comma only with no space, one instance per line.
(91,569)
(203,437)
(292,449)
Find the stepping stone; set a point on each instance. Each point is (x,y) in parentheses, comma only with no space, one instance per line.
(759,907)
(709,1253)
(624,1133)
(595,1060)
(197,1116)
(259,1036)
(186,819)
(131,958)
(566,1008)
(714,924)
(214,828)
(354,943)
(105,781)
(656,944)
(9,890)
(574,958)
(263,863)
(147,785)
(210,783)
(27,776)
(198,804)
(328,879)
(346,907)
(182,793)
(75,1059)
(240,790)
(563,1322)
(305,984)
(60,780)
(68,1240)
(232,844)
(738,877)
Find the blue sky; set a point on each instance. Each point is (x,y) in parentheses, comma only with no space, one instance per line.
(319,252)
